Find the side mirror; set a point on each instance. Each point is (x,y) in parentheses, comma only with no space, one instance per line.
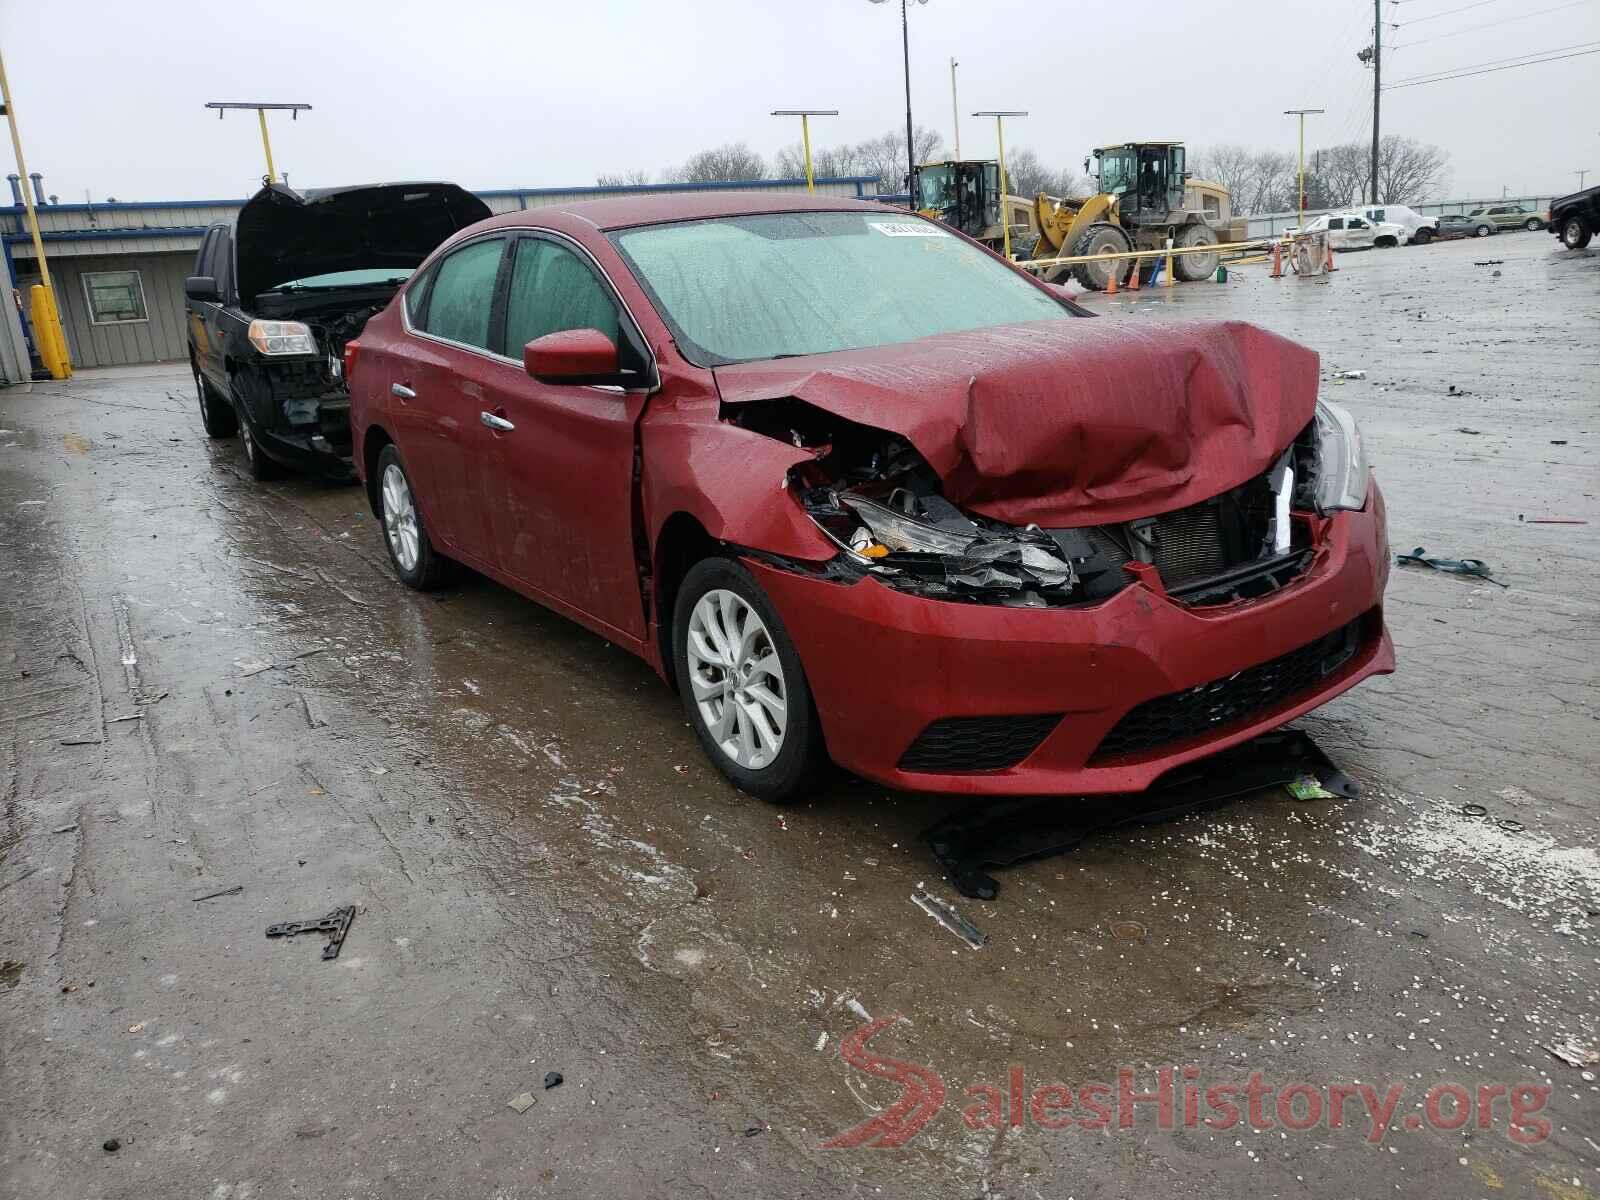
(573,356)
(201,287)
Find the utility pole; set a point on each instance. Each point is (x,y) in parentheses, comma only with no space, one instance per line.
(1377,87)
(1581,175)
(955,108)
(48,338)
(805,115)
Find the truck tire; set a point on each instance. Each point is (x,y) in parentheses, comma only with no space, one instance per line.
(1101,238)
(1532,223)
(1193,267)
(216,414)
(1422,236)
(1575,234)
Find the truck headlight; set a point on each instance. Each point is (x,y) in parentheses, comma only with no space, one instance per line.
(1342,466)
(282,337)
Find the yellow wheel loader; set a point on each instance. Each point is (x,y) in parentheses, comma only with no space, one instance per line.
(1144,197)
(965,195)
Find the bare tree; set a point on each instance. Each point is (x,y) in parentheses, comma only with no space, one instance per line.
(831,162)
(1410,171)
(1027,176)
(730,163)
(1235,167)
(632,178)
(1343,172)
(885,156)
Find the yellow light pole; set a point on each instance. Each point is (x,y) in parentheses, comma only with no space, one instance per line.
(805,115)
(1300,195)
(48,338)
(294,111)
(1000,116)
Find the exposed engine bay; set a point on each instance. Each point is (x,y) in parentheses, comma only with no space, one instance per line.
(878,500)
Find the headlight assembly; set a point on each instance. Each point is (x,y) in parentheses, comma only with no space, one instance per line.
(282,337)
(1342,467)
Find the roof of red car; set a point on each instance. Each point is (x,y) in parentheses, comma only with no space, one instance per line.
(648,208)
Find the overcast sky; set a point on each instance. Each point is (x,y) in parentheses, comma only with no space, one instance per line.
(547,93)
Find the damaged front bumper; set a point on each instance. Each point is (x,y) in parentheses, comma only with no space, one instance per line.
(300,415)
(983,699)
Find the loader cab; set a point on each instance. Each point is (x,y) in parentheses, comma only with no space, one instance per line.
(964,195)
(1147,178)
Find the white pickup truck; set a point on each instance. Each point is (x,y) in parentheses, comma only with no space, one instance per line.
(1353,231)
(1419,229)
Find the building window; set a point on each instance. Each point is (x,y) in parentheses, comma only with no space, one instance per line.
(115,297)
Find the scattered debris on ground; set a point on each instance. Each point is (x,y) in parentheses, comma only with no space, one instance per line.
(336,924)
(235,890)
(521,1102)
(952,920)
(1474,567)
(552,1079)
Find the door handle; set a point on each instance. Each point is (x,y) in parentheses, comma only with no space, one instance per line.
(499,424)
(401,390)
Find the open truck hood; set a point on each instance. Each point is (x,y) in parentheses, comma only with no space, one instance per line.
(1067,423)
(282,234)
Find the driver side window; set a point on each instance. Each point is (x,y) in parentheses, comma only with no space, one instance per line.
(552,289)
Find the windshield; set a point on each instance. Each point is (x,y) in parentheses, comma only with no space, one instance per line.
(936,188)
(1117,170)
(342,279)
(739,289)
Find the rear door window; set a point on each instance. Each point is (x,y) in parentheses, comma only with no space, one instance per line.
(553,289)
(1336,223)
(460,301)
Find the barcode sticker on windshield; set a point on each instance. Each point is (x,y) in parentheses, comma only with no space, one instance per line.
(908,229)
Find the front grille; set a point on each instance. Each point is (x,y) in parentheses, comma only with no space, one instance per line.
(1235,700)
(959,744)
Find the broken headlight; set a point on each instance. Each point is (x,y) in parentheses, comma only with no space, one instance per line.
(1341,460)
(282,337)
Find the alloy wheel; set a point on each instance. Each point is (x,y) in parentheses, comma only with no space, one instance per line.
(400,518)
(737,679)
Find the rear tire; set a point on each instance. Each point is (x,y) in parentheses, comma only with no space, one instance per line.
(1575,234)
(742,684)
(405,535)
(1194,267)
(1532,224)
(216,414)
(1101,238)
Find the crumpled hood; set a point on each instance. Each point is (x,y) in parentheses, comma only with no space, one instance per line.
(282,234)
(1068,423)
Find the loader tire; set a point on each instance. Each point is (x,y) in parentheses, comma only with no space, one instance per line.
(1102,238)
(1193,267)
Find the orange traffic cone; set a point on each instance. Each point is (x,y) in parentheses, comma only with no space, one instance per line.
(1133,282)
(1328,266)
(1111,280)
(1277,260)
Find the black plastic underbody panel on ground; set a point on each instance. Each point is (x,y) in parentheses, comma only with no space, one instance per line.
(1004,834)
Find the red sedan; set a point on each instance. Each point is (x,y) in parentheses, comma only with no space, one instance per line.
(860,490)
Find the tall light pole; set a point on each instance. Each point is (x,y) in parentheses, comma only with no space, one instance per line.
(1000,116)
(905,49)
(294,111)
(1300,196)
(955,108)
(805,115)
(49,341)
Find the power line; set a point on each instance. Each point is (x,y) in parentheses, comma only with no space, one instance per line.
(1449,12)
(1494,62)
(1438,37)
(1463,74)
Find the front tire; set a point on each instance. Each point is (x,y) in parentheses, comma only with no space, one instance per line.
(1532,224)
(742,684)
(216,414)
(405,535)
(1483,230)
(1102,238)
(1575,234)
(1422,237)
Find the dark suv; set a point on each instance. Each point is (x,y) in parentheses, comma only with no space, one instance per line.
(276,295)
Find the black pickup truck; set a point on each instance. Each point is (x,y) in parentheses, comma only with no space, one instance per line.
(1575,218)
(276,295)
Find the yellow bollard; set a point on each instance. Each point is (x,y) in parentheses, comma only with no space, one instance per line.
(48,337)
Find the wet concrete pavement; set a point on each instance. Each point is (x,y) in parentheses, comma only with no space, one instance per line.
(211,683)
